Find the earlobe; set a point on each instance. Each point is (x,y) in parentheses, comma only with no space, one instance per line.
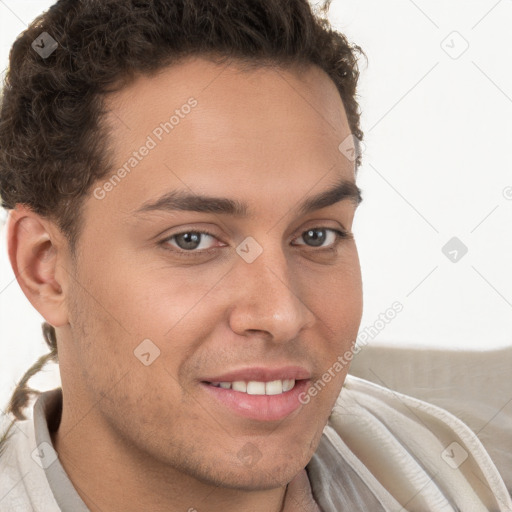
(34,257)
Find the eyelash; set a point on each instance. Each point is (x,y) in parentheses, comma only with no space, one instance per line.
(340,235)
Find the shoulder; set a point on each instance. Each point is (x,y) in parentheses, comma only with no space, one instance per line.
(23,483)
(421,454)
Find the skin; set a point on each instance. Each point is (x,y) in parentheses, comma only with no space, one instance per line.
(135,437)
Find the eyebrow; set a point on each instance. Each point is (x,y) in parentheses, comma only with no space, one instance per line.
(178,200)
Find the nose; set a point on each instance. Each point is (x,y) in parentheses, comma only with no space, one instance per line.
(269,299)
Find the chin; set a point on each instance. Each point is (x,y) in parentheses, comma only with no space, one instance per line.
(260,478)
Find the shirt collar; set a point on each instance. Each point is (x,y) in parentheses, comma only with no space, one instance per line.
(47,414)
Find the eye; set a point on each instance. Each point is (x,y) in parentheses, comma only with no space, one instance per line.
(317,240)
(193,243)
(188,241)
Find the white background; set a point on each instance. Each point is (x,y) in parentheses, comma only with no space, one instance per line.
(437,165)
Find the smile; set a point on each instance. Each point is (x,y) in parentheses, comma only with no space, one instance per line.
(257,400)
(253,387)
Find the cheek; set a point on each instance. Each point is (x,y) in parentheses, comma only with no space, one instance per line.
(337,300)
(338,305)
(156,298)
(111,348)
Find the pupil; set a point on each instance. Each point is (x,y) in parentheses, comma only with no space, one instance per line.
(317,240)
(191,240)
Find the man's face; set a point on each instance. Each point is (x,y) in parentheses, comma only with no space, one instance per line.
(289,296)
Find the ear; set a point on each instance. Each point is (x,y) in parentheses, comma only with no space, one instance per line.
(36,250)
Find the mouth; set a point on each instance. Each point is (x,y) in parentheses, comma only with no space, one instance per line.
(253,387)
(257,400)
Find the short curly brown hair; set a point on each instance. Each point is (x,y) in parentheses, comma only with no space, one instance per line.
(53,146)
(53,143)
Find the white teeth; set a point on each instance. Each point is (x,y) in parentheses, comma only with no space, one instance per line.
(239,385)
(253,387)
(288,384)
(274,388)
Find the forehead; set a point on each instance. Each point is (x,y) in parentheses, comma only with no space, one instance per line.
(228,85)
(214,127)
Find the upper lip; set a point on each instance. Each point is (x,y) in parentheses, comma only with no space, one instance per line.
(262,374)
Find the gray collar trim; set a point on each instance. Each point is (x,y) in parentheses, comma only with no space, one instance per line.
(47,412)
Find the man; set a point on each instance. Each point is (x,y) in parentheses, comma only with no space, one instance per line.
(181,180)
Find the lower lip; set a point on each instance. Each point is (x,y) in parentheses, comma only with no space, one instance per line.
(259,407)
